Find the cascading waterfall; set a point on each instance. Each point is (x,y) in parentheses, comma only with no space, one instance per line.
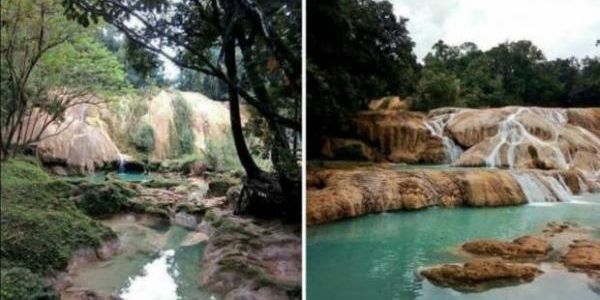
(542,187)
(513,133)
(121,163)
(436,126)
(559,188)
(537,186)
(534,190)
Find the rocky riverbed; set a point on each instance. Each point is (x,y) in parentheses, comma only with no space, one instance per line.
(496,263)
(240,257)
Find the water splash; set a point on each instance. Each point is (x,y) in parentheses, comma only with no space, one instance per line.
(436,127)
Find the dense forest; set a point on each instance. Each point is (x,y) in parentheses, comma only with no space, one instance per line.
(359,50)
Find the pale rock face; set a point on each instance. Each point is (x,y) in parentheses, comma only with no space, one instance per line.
(334,194)
(508,137)
(400,136)
(211,119)
(526,138)
(86,143)
(78,144)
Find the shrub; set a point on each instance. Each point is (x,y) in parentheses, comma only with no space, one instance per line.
(22,284)
(103,200)
(182,138)
(143,138)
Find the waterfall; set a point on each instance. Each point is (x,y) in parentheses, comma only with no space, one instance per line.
(583,188)
(539,187)
(121,163)
(436,126)
(559,188)
(513,133)
(534,190)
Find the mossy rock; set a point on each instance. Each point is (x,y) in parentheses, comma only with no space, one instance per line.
(219,183)
(163,183)
(41,224)
(22,284)
(191,208)
(101,199)
(140,206)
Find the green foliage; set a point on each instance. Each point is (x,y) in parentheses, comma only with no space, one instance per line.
(142,67)
(163,183)
(41,225)
(104,199)
(181,135)
(82,57)
(190,80)
(437,89)
(48,64)
(220,153)
(357,51)
(512,73)
(143,138)
(22,284)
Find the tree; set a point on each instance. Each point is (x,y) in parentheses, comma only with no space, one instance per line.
(245,33)
(586,89)
(43,58)
(143,68)
(356,50)
(437,88)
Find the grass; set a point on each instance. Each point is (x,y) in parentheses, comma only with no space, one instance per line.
(41,226)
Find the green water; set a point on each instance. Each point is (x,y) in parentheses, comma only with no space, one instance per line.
(152,264)
(100,177)
(377,256)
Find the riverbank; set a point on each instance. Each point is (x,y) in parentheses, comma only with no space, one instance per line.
(116,230)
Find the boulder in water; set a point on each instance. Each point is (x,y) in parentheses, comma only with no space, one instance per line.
(584,255)
(480,275)
(523,248)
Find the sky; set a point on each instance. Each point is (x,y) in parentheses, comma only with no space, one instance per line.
(560,28)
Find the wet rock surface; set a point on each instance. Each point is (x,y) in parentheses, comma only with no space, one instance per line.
(337,193)
(523,248)
(250,259)
(499,263)
(516,137)
(584,256)
(479,275)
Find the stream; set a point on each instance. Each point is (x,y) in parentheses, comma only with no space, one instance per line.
(155,262)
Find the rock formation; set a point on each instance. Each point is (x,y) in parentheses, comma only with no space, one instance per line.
(500,262)
(210,119)
(341,193)
(525,247)
(507,137)
(480,274)
(248,259)
(85,140)
(584,255)
(80,142)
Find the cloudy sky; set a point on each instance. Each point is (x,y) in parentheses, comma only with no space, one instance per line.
(561,28)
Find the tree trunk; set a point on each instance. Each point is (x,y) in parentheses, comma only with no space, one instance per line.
(252,170)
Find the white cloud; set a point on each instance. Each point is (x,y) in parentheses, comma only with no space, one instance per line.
(560,28)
